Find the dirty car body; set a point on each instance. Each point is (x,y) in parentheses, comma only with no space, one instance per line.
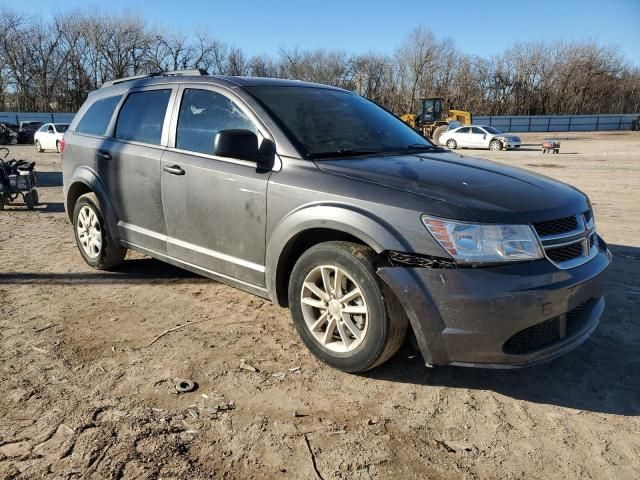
(246,224)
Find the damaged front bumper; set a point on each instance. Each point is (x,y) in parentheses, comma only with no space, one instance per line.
(502,316)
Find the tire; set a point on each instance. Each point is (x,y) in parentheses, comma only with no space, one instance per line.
(36,197)
(437,133)
(495,145)
(381,330)
(1,203)
(100,250)
(58,146)
(39,147)
(451,144)
(29,201)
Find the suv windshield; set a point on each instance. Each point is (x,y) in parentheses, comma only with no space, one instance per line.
(330,123)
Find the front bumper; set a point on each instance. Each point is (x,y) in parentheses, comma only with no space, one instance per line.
(471,316)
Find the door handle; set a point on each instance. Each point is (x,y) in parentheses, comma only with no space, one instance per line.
(104,155)
(174,170)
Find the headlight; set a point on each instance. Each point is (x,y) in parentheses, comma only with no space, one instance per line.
(475,243)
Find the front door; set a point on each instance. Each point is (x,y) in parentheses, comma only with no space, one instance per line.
(129,165)
(478,138)
(215,208)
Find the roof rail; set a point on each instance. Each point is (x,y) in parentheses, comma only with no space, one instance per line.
(165,73)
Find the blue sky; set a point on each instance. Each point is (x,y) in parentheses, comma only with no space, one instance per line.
(477,27)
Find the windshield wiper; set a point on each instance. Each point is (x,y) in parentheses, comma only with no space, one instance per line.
(422,146)
(345,152)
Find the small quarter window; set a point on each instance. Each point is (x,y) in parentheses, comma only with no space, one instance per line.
(142,116)
(203,113)
(96,120)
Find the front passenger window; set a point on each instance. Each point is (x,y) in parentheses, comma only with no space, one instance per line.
(203,113)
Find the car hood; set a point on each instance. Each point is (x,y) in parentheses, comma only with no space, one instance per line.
(478,190)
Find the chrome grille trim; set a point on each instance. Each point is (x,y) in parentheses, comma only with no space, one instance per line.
(583,235)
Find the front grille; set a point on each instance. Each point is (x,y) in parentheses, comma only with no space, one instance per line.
(567,252)
(555,227)
(545,333)
(534,338)
(568,242)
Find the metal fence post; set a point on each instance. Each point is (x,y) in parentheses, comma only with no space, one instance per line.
(569,127)
(529,124)
(597,122)
(510,118)
(619,123)
(549,124)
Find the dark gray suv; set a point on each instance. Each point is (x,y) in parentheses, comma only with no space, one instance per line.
(324,202)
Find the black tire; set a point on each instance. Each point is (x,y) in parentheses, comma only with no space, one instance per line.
(36,197)
(1,203)
(13,141)
(38,147)
(452,144)
(29,201)
(495,145)
(111,254)
(387,322)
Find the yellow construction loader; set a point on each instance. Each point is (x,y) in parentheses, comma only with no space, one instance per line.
(435,119)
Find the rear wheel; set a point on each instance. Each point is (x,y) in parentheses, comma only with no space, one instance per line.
(29,201)
(38,146)
(36,197)
(345,316)
(451,144)
(437,133)
(495,145)
(93,238)
(13,141)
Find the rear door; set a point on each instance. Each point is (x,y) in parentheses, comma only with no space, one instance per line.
(214,207)
(463,137)
(128,163)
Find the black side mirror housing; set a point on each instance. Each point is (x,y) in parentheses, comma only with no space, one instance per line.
(243,145)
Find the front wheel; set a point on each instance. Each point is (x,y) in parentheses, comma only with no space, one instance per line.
(495,145)
(93,238)
(344,315)
(451,144)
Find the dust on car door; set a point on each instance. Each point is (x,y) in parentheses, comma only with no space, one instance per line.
(214,207)
(129,164)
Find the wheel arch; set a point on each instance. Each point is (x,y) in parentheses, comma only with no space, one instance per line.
(310,226)
(84,181)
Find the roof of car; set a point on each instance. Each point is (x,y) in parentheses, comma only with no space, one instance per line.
(225,80)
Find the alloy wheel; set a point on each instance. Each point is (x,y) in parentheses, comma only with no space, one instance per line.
(89,232)
(334,309)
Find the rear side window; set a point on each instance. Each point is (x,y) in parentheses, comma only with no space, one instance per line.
(96,120)
(204,113)
(464,130)
(142,115)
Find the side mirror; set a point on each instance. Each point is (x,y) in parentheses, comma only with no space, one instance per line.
(243,145)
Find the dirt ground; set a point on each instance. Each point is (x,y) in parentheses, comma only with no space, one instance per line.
(86,394)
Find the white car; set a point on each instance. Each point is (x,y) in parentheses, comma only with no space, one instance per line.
(478,136)
(49,135)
